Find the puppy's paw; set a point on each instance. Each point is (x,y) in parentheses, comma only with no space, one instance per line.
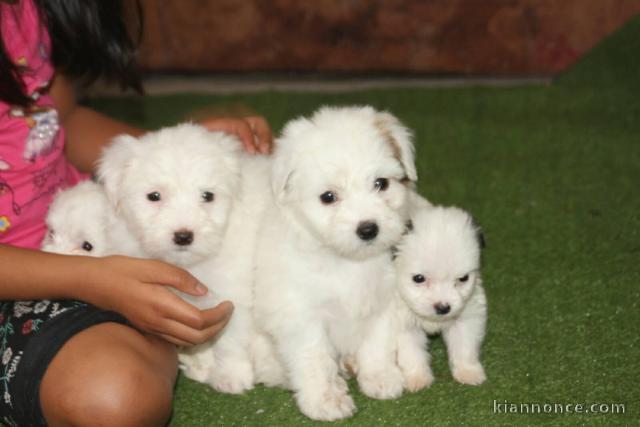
(193,368)
(332,403)
(382,384)
(231,378)
(418,379)
(472,374)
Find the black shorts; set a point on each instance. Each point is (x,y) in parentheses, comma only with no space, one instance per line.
(31,334)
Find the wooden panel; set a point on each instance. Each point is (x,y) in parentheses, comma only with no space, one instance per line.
(470,37)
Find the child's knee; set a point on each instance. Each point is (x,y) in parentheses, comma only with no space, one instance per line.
(130,396)
(110,376)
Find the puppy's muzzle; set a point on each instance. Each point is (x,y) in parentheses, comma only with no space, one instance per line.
(183,237)
(367,230)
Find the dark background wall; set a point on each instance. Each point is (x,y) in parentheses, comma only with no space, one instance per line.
(468,37)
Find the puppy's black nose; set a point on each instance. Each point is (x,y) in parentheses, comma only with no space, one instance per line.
(441,308)
(367,230)
(183,237)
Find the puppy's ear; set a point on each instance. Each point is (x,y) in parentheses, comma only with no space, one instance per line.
(282,166)
(479,234)
(281,172)
(400,138)
(229,156)
(481,239)
(113,163)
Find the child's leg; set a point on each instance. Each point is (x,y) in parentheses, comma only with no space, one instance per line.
(111,375)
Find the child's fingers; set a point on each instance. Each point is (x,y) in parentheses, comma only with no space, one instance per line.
(218,314)
(262,131)
(238,127)
(243,131)
(171,306)
(173,340)
(162,273)
(176,309)
(155,272)
(192,336)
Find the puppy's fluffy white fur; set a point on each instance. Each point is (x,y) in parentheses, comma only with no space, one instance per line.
(323,292)
(159,186)
(227,362)
(440,291)
(185,179)
(77,222)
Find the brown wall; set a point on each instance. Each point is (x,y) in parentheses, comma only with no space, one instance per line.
(474,37)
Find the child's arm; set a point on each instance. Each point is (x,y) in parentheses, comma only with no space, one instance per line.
(135,288)
(87,131)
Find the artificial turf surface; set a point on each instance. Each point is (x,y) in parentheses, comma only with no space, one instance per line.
(552,173)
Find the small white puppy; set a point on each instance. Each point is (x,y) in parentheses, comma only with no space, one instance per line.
(440,291)
(77,221)
(324,275)
(176,190)
(173,188)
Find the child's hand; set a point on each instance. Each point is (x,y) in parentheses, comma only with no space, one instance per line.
(254,131)
(137,289)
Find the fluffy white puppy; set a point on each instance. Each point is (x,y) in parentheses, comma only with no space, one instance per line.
(175,189)
(77,221)
(440,291)
(324,276)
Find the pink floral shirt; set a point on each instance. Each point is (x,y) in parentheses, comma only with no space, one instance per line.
(32,163)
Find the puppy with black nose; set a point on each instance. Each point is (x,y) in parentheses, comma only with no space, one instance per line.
(341,180)
(79,223)
(174,188)
(192,198)
(440,291)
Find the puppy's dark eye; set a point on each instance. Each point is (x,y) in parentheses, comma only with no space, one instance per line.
(328,197)
(207,196)
(154,197)
(87,246)
(419,278)
(381,184)
(463,278)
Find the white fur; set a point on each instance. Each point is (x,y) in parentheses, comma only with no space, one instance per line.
(77,221)
(443,247)
(82,214)
(181,163)
(322,293)
(227,362)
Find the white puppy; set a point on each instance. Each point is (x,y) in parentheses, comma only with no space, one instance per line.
(176,189)
(324,276)
(77,221)
(440,289)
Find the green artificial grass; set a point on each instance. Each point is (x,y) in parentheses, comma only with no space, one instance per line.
(552,173)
